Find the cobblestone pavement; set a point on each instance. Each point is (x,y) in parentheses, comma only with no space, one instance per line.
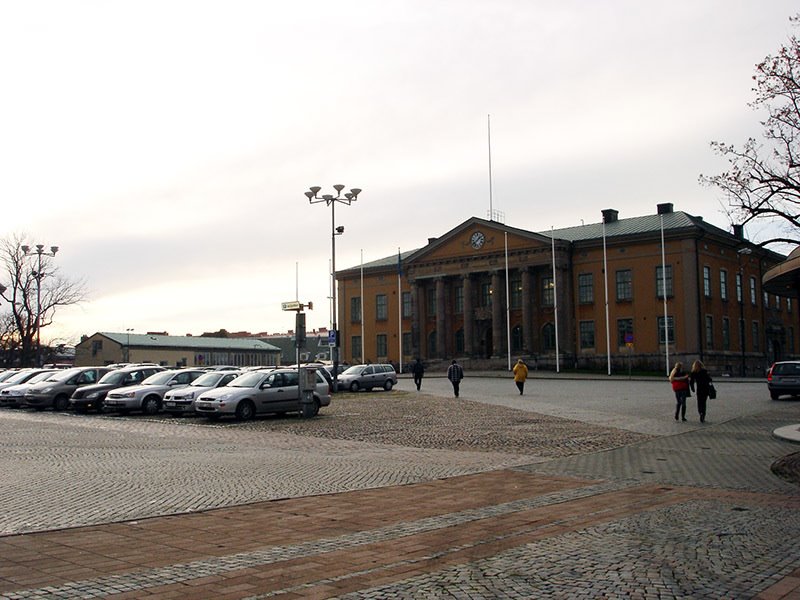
(406,495)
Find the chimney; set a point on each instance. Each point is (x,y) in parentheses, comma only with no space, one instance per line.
(431,240)
(664,209)
(610,215)
(738,232)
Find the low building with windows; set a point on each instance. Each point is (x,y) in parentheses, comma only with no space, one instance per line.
(595,293)
(105,348)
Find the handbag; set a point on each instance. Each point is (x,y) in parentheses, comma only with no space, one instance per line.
(712,391)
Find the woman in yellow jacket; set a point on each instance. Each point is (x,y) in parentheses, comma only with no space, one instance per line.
(520,375)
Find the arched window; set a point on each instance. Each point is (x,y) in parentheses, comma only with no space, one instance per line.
(549,337)
(432,344)
(516,339)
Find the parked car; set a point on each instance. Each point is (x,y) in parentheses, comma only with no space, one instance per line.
(92,397)
(149,396)
(261,392)
(18,377)
(783,379)
(8,373)
(14,395)
(181,401)
(56,390)
(366,377)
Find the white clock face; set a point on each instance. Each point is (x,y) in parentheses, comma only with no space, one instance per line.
(477,240)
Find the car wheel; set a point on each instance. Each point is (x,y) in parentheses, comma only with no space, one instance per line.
(245,410)
(354,386)
(774,395)
(388,385)
(61,403)
(150,405)
(315,409)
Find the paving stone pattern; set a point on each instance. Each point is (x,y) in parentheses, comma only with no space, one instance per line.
(406,495)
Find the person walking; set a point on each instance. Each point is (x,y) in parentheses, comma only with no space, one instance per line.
(418,370)
(455,374)
(680,385)
(700,383)
(520,375)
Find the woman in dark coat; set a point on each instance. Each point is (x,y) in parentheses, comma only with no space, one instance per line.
(699,382)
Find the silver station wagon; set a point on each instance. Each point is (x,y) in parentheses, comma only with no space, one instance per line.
(261,392)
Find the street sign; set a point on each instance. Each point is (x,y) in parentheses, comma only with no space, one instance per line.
(332,338)
(293,305)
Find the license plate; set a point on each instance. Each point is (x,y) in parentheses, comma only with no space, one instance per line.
(170,404)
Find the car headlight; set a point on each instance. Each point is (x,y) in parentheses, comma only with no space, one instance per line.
(222,398)
(47,390)
(127,395)
(92,395)
(189,396)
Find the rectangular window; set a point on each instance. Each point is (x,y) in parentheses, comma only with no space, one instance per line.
(355,348)
(516,293)
(707,282)
(486,295)
(381,307)
(790,339)
(585,288)
(756,337)
(778,302)
(726,333)
(723,285)
(407,344)
(587,334)
(431,298)
(547,290)
(459,299)
(709,331)
(380,345)
(739,288)
(624,285)
(766,300)
(661,275)
(355,309)
(624,331)
(670,330)
(788,305)
(406,305)
(753,295)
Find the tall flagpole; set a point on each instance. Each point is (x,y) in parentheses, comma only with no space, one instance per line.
(363,340)
(605,279)
(400,308)
(508,304)
(664,293)
(555,292)
(489,137)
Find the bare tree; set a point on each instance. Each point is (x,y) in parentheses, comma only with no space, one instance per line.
(33,296)
(762,182)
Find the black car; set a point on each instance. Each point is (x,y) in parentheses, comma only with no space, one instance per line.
(783,379)
(91,397)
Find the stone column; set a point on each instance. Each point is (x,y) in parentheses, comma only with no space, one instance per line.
(497,314)
(469,316)
(418,319)
(441,318)
(527,311)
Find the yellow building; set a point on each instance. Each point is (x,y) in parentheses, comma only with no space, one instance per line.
(485,290)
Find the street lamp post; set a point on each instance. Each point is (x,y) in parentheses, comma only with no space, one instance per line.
(331,200)
(128,346)
(742,252)
(39,252)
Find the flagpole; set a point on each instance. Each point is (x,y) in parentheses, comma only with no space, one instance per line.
(489,138)
(605,279)
(555,293)
(400,308)
(664,293)
(362,307)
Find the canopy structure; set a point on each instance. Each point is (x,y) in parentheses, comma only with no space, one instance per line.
(784,278)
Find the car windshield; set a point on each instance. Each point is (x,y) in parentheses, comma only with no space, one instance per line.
(21,377)
(63,375)
(354,370)
(208,380)
(40,377)
(159,378)
(247,380)
(114,377)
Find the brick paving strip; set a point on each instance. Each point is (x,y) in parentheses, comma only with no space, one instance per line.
(340,544)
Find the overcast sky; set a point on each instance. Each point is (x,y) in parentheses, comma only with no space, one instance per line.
(165,145)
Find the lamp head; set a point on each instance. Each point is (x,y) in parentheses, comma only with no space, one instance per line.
(309,195)
(25,249)
(355,192)
(54,249)
(315,189)
(349,196)
(338,187)
(340,229)
(39,248)
(2,289)
(327,197)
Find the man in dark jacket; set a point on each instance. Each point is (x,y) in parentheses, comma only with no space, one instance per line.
(455,374)
(418,370)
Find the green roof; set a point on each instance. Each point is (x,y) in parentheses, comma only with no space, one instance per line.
(187,341)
